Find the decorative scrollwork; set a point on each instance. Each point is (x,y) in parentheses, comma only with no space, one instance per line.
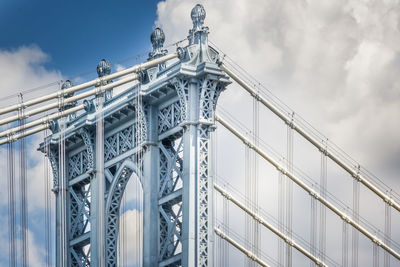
(53,157)
(88,140)
(182,89)
(210,91)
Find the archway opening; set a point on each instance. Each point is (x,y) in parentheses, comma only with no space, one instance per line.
(130,237)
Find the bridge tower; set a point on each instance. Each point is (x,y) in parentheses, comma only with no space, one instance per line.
(159,130)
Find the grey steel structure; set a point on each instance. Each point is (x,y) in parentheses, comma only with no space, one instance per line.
(160,131)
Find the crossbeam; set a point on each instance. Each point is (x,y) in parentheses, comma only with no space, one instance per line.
(287,119)
(248,253)
(263,222)
(308,189)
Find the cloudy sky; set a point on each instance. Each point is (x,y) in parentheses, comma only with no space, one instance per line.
(335,63)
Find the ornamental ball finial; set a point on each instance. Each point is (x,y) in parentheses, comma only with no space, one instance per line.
(67,84)
(103,68)
(198,15)
(157,38)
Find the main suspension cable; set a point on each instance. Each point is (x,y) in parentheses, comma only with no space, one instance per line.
(305,177)
(238,195)
(307,188)
(309,132)
(263,222)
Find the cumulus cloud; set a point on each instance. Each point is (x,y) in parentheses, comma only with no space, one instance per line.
(24,68)
(130,237)
(335,63)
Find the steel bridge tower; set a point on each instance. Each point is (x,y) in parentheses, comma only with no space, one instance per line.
(158,130)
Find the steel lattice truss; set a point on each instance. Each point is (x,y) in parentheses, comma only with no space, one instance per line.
(160,131)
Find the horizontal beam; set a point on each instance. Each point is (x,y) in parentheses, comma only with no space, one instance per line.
(311,139)
(248,253)
(308,189)
(256,217)
(95,82)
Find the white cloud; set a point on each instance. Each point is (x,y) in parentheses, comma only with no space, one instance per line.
(334,62)
(340,58)
(23,69)
(131,238)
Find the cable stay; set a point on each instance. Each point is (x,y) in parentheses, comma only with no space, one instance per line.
(308,189)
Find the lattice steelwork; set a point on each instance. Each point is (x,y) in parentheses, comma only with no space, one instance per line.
(158,130)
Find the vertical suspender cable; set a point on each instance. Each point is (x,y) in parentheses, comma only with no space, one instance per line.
(323,190)
(345,241)
(313,226)
(248,233)
(281,217)
(23,192)
(214,172)
(254,199)
(137,164)
(139,114)
(375,255)
(388,233)
(289,192)
(137,182)
(63,192)
(225,248)
(124,237)
(100,180)
(355,235)
(125,250)
(11,205)
(46,183)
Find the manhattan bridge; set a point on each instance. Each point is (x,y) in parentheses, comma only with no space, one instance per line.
(161,130)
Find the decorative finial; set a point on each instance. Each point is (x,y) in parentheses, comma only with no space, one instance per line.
(157,38)
(103,68)
(67,84)
(198,15)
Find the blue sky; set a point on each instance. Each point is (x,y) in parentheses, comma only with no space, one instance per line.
(63,40)
(78,34)
(334,62)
